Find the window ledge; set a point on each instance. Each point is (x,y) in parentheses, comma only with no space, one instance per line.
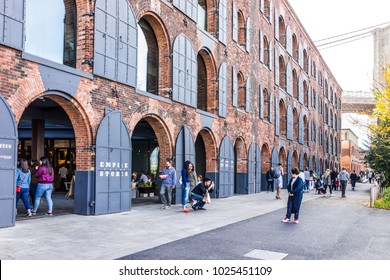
(153,96)
(206,33)
(211,115)
(56,65)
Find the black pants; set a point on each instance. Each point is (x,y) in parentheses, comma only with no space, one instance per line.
(270,186)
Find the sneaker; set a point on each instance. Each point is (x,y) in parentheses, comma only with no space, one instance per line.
(296,221)
(186,210)
(201,208)
(162,207)
(49,214)
(286,220)
(194,208)
(168,207)
(28,213)
(33,212)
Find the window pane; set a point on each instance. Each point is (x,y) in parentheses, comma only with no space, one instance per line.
(45,29)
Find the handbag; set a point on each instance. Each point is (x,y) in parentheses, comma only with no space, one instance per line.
(206,198)
(18,188)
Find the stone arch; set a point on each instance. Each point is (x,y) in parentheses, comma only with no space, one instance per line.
(206,153)
(266,158)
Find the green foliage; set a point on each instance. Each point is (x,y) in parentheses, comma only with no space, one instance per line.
(384,201)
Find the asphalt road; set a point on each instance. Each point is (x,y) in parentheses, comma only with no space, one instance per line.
(330,228)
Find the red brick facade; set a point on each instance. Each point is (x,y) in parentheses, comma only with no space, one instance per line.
(21,84)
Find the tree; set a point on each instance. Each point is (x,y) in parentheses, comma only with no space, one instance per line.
(378,154)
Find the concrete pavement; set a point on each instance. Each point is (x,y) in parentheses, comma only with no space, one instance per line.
(76,237)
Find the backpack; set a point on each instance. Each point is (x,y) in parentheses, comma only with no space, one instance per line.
(277,174)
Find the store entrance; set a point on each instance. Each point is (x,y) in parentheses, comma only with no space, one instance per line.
(46,130)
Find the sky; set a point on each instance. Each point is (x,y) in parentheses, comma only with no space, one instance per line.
(351,63)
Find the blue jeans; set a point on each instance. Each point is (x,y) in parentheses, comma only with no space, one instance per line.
(44,189)
(185,190)
(199,198)
(23,194)
(306,185)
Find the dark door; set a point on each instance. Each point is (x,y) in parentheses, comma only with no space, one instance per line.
(113,165)
(8,153)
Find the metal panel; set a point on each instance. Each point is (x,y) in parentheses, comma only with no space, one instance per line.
(274,157)
(277,117)
(251,169)
(222,90)
(290,124)
(248,95)
(185,150)
(261,39)
(289,40)
(248,35)
(235,23)
(226,168)
(301,129)
(271,108)
(276,29)
(8,155)
(289,167)
(222,30)
(12,23)
(276,60)
(115,49)
(185,72)
(261,94)
(234,87)
(289,79)
(258,169)
(113,165)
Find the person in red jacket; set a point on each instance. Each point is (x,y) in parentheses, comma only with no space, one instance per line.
(45,176)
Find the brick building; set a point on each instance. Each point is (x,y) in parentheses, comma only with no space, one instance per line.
(352,157)
(111,86)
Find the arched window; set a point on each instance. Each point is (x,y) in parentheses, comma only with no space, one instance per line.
(305,62)
(266,51)
(295,85)
(241,29)
(241,91)
(282,73)
(305,94)
(202,14)
(148,58)
(295,47)
(266,98)
(51,30)
(282,119)
(282,32)
(202,83)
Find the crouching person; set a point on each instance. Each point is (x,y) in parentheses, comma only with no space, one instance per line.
(199,193)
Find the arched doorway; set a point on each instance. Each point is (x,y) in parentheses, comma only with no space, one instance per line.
(266,164)
(56,126)
(151,147)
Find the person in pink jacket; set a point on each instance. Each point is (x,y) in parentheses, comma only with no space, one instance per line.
(45,176)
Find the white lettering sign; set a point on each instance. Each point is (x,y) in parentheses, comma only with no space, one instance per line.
(5,146)
(113,169)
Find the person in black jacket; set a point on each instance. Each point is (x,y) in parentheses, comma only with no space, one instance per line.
(198,193)
(270,179)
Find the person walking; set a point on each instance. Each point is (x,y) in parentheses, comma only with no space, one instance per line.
(343,181)
(23,179)
(185,185)
(295,195)
(63,172)
(168,177)
(34,180)
(45,176)
(353,179)
(327,182)
(306,186)
(270,179)
(278,175)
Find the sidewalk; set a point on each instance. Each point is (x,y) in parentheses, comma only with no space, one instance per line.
(76,237)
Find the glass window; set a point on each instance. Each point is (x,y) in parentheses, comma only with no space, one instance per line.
(50,30)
